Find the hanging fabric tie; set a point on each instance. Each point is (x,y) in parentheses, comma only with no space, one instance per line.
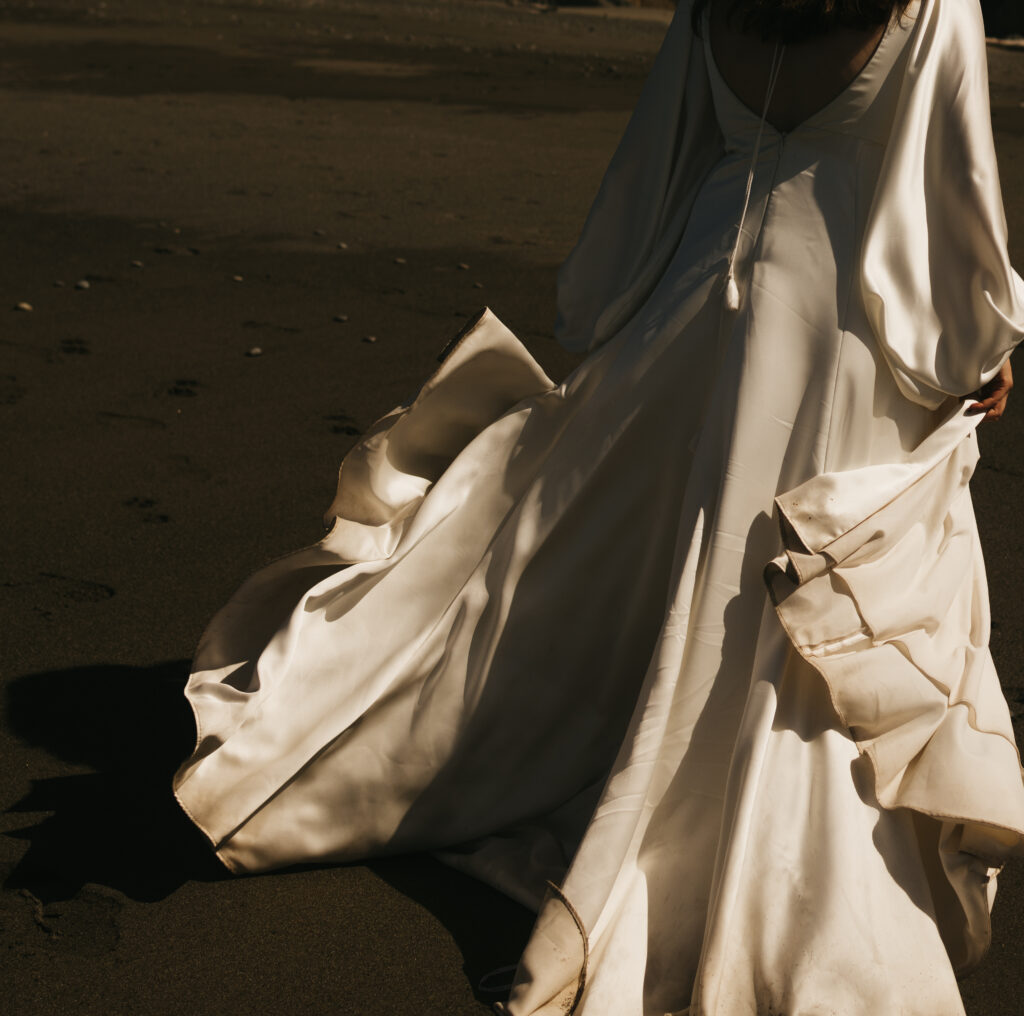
(732,290)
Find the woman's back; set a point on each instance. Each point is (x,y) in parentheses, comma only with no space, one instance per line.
(815,71)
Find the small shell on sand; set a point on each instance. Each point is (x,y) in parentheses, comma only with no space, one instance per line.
(255,351)
(342,245)
(340,318)
(23,306)
(82,284)
(138,264)
(462,266)
(369,338)
(238,278)
(400,261)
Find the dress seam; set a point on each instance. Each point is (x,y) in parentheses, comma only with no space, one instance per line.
(844,332)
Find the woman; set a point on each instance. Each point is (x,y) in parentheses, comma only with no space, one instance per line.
(699,636)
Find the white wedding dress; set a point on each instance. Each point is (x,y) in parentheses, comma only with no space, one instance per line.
(698,636)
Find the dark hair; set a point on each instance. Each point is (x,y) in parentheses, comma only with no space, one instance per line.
(795,20)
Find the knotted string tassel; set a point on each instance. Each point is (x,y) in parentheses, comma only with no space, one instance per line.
(732,290)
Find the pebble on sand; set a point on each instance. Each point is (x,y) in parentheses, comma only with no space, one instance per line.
(478,285)
(238,278)
(341,318)
(82,284)
(255,351)
(462,266)
(369,338)
(138,264)
(400,261)
(25,306)
(342,245)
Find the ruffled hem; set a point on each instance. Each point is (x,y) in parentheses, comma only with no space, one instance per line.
(485,371)
(881,589)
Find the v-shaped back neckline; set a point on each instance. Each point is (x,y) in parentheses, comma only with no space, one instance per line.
(857,81)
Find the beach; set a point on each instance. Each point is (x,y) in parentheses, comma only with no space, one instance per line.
(235,233)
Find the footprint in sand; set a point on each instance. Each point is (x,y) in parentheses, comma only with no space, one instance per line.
(289,329)
(77,590)
(145,505)
(75,347)
(11,393)
(130,420)
(183,466)
(184,388)
(343,424)
(178,249)
(87,924)
(47,592)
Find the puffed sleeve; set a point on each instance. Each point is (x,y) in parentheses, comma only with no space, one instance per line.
(945,304)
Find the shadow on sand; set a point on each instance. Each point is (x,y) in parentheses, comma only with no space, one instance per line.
(118,825)
(489,929)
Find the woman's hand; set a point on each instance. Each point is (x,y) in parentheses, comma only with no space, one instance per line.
(992,396)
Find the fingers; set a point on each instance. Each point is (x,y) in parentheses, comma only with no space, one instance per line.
(982,404)
(991,398)
(989,395)
(993,408)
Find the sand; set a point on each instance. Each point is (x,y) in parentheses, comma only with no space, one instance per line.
(289,177)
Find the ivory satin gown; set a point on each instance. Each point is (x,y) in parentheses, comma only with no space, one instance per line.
(699,636)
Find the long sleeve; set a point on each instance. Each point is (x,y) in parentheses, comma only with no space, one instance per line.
(944,302)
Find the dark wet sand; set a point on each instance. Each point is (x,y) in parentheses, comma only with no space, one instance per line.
(149,464)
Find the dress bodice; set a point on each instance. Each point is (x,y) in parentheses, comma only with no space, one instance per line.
(785,219)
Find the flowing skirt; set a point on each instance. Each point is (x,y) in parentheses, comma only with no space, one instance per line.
(658,652)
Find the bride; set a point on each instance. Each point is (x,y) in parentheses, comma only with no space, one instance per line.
(689,652)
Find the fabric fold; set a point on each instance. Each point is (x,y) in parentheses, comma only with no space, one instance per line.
(252,647)
(484,371)
(881,589)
